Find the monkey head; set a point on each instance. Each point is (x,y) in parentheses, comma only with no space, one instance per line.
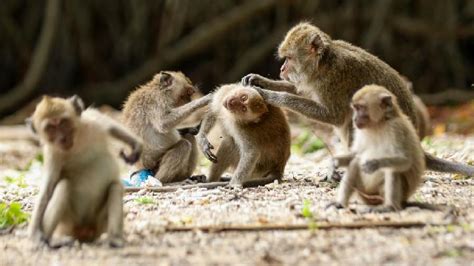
(55,120)
(372,106)
(245,104)
(302,49)
(175,85)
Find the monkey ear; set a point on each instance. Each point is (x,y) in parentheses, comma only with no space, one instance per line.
(77,103)
(318,44)
(30,125)
(386,101)
(165,79)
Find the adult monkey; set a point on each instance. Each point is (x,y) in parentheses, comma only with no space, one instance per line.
(326,73)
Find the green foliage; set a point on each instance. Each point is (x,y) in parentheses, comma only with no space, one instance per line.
(19,181)
(306,210)
(307,143)
(145,200)
(12,215)
(308,214)
(38,158)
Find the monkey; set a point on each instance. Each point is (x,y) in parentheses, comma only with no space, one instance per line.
(325,73)
(153,112)
(424,122)
(256,137)
(386,162)
(81,196)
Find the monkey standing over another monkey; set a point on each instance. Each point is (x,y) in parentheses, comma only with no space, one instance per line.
(81,196)
(327,73)
(153,112)
(386,158)
(256,139)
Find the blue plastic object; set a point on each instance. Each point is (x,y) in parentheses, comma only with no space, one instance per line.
(138,178)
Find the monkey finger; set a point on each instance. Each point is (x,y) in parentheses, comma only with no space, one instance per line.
(211,156)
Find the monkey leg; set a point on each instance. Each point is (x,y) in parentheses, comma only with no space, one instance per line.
(348,183)
(393,191)
(193,155)
(56,209)
(227,155)
(114,209)
(175,163)
(245,168)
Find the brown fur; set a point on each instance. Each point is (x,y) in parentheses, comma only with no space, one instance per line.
(259,136)
(153,112)
(326,73)
(385,147)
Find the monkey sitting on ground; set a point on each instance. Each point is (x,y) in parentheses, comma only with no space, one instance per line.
(81,196)
(386,162)
(326,73)
(153,112)
(256,139)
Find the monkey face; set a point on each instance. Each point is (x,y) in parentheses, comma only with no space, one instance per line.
(245,105)
(55,119)
(372,105)
(59,131)
(177,86)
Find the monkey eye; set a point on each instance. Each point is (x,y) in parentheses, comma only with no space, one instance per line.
(244,97)
(357,107)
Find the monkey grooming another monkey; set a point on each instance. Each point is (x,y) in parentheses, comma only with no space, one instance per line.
(386,158)
(81,196)
(326,73)
(256,139)
(153,112)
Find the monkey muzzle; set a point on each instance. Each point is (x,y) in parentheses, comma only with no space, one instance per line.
(361,121)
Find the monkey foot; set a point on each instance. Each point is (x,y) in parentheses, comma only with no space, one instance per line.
(332,177)
(198,178)
(335,204)
(116,242)
(378,209)
(63,242)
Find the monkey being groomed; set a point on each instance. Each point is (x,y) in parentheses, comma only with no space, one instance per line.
(81,196)
(256,139)
(386,161)
(326,73)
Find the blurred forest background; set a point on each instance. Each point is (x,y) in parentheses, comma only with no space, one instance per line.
(101,50)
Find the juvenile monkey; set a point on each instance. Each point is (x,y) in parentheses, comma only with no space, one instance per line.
(256,139)
(153,112)
(81,196)
(326,73)
(386,159)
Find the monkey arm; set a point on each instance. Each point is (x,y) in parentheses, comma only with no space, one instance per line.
(205,146)
(171,119)
(398,164)
(269,84)
(343,160)
(302,105)
(53,169)
(132,141)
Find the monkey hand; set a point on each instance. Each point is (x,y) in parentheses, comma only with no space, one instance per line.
(370,166)
(253,80)
(132,157)
(206,148)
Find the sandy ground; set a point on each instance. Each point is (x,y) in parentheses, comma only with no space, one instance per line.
(447,238)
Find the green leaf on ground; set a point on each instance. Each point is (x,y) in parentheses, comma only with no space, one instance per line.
(12,214)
